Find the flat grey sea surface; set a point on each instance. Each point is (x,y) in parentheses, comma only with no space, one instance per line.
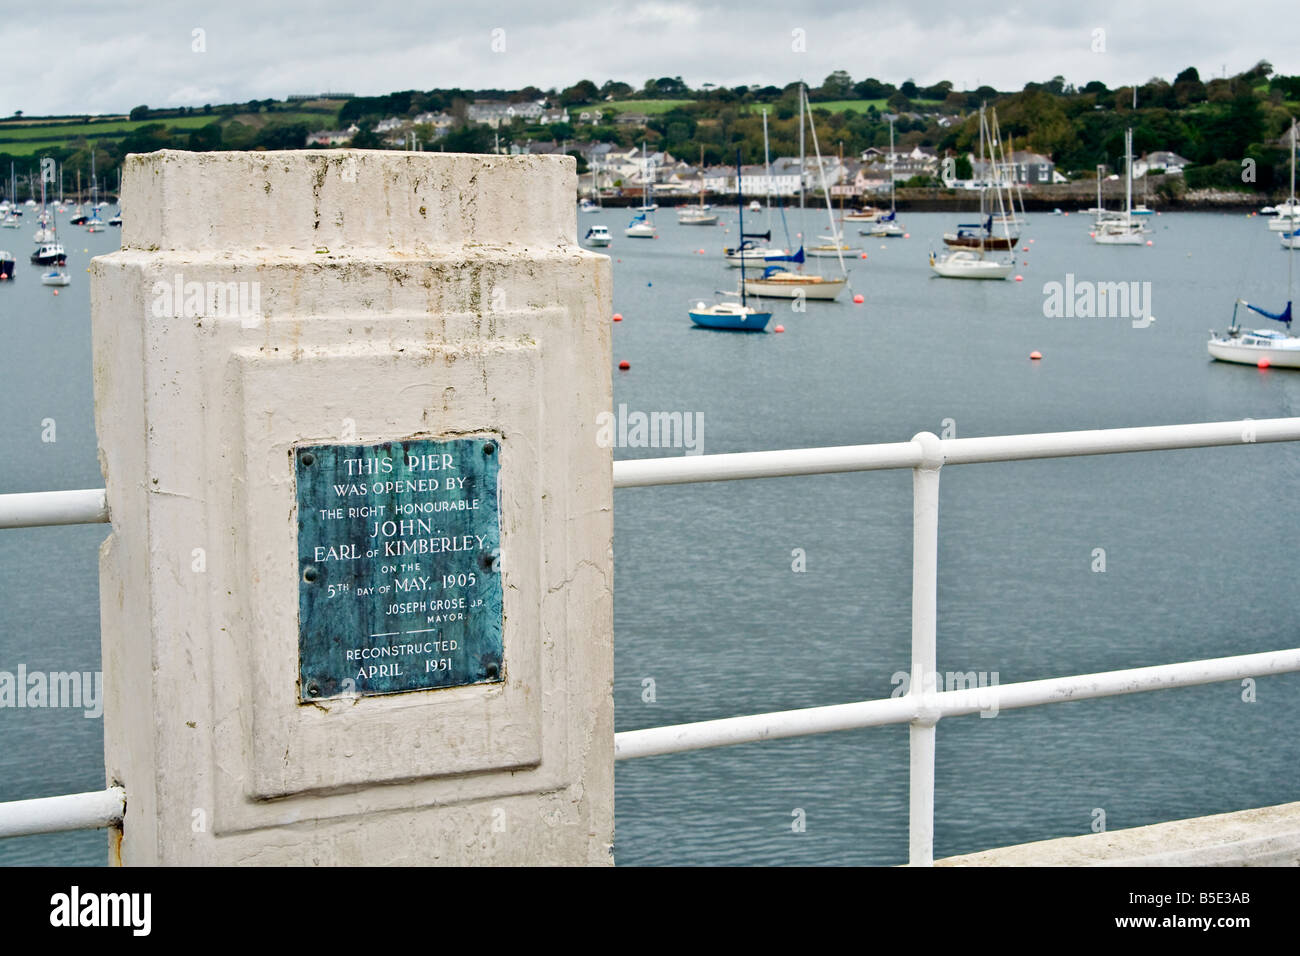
(708,607)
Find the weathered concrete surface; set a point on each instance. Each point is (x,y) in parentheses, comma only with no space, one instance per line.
(1269,836)
(397,295)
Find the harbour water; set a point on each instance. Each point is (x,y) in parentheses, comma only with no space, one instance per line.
(712,620)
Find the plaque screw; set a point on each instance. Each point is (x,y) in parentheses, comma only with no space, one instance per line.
(310,574)
(491,670)
(308,458)
(313,690)
(489,448)
(492,560)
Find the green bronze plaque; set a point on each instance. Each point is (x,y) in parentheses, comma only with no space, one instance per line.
(399,583)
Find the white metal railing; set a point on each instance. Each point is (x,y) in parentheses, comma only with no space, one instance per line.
(87,506)
(77,811)
(923,706)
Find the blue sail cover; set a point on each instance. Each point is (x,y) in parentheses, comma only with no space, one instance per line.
(889,218)
(987,225)
(1284,316)
(636,219)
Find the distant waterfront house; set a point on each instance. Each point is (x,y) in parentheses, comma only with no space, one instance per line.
(388,125)
(493,113)
(442,123)
(332,137)
(1031,169)
(1160,161)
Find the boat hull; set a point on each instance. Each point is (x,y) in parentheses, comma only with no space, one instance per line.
(732,321)
(1119,238)
(825,291)
(992,242)
(697,220)
(6,267)
(755,258)
(972,269)
(1226,351)
(640,232)
(1283,224)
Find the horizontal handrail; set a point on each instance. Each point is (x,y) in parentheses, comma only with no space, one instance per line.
(37,508)
(639,472)
(929,707)
(76,811)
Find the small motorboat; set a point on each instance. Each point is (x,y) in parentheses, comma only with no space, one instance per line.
(49,254)
(597,237)
(55,277)
(6,265)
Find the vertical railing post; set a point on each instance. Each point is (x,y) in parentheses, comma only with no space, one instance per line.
(925,568)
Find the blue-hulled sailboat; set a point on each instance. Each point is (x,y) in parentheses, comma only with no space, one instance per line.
(733,316)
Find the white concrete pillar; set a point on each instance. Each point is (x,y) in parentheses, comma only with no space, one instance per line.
(353,298)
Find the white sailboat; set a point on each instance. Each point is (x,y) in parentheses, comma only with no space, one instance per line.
(750,252)
(1125,230)
(887,226)
(701,215)
(642,225)
(1262,347)
(780,281)
(978,262)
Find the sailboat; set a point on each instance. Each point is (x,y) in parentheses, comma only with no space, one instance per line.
(700,215)
(642,225)
(779,280)
(1262,347)
(590,203)
(733,316)
(887,226)
(973,263)
(94,223)
(1123,231)
(48,251)
(11,216)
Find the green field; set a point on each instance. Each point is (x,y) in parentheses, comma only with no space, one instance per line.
(861,106)
(649,107)
(25,140)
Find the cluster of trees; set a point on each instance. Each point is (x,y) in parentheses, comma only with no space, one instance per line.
(1215,123)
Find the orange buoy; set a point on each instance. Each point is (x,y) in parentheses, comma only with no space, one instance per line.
(1262,363)
(779,328)
(1035,355)
(907,235)
(858,299)
(1020,278)
(1093,235)
(56,291)
(863,256)
(1148,242)
(624,365)
(618,317)
(699,252)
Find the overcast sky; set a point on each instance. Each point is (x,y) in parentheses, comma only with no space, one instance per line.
(82,56)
